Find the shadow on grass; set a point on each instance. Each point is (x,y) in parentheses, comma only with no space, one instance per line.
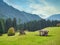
(49,35)
(45,36)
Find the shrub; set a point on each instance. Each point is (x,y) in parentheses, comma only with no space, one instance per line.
(11,31)
(1,32)
(1,29)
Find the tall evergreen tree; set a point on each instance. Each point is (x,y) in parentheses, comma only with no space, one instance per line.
(14,24)
(2,21)
(8,24)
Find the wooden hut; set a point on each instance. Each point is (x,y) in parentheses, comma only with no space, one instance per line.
(22,32)
(58,24)
(43,33)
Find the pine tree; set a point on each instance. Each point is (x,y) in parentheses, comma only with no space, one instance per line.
(14,24)
(1,29)
(8,24)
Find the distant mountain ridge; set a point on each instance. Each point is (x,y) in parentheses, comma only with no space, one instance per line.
(7,11)
(54,17)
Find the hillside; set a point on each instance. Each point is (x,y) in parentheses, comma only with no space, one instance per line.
(54,17)
(32,38)
(7,11)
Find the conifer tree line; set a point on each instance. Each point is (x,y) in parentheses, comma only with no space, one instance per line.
(5,24)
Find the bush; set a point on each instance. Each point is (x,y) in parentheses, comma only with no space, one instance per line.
(11,31)
(1,29)
(1,32)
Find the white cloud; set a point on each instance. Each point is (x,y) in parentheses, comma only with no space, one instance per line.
(44,10)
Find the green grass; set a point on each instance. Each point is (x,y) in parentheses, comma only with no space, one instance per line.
(32,38)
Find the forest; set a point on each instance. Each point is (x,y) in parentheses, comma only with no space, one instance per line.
(5,24)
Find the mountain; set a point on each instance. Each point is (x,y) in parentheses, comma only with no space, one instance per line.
(7,11)
(54,17)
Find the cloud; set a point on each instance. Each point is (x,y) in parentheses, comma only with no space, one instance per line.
(46,10)
(43,8)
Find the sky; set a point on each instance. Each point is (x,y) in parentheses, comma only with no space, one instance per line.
(43,8)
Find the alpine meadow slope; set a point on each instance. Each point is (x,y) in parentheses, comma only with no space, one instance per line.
(32,38)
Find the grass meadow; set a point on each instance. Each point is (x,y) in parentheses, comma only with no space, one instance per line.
(33,38)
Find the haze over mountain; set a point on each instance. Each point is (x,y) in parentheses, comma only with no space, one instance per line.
(7,11)
(43,8)
(54,17)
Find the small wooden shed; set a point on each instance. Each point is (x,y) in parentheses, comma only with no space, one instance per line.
(43,33)
(58,24)
(22,32)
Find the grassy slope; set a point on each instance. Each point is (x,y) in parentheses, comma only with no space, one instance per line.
(32,38)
